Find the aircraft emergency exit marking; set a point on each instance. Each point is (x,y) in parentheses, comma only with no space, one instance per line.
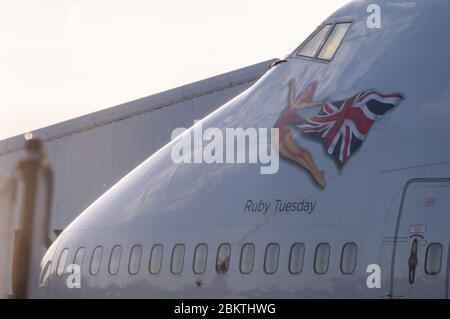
(279,206)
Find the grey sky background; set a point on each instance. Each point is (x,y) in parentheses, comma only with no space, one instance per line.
(65,58)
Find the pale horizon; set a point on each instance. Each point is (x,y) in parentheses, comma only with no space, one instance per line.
(64,59)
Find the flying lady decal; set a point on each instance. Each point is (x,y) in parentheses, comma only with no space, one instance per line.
(287,125)
(341,126)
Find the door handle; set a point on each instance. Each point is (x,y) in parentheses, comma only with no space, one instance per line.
(413,261)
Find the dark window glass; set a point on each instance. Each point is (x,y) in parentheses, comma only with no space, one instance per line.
(96,260)
(247,258)
(348,258)
(135,259)
(433,259)
(62,262)
(156,256)
(310,48)
(333,41)
(271,258)
(45,274)
(322,258)
(296,258)
(223,258)
(200,257)
(114,260)
(79,256)
(177,259)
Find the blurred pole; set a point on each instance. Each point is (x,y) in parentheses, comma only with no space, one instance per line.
(34,219)
(7,200)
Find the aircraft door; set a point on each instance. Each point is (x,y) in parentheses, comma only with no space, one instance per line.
(420,265)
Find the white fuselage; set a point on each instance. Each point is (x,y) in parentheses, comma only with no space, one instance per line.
(393,190)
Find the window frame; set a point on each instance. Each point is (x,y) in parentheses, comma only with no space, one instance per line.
(99,261)
(265,258)
(195,259)
(316,58)
(242,255)
(328,258)
(66,257)
(328,37)
(140,259)
(81,248)
(426,259)
(160,261)
(182,260)
(342,258)
(44,276)
(290,258)
(217,259)
(110,258)
(308,40)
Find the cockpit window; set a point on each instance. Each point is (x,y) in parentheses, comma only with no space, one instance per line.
(334,40)
(310,48)
(324,43)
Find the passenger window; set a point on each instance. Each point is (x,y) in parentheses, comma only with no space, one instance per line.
(223,258)
(200,257)
(114,260)
(322,258)
(247,258)
(333,41)
(135,260)
(62,262)
(271,258)
(45,275)
(348,258)
(96,260)
(310,48)
(177,259)
(296,258)
(433,259)
(156,259)
(79,256)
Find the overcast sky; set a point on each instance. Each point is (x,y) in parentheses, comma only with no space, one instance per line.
(64,58)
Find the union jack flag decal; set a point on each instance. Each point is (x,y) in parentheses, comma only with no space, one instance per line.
(343,125)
